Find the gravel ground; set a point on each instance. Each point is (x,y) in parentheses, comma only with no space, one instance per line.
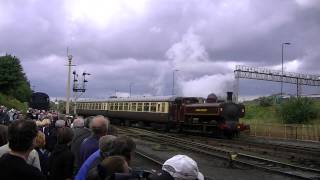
(212,168)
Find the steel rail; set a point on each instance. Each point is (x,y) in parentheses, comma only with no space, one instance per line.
(246,159)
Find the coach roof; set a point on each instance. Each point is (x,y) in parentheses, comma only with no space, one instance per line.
(133,99)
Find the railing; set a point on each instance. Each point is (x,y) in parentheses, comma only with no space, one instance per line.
(286,131)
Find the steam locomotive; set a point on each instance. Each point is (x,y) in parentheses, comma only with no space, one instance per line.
(199,115)
(40,101)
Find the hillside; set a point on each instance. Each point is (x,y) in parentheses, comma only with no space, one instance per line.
(259,114)
(11,102)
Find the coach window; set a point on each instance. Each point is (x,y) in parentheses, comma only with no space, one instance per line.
(146,107)
(163,107)
(139,107)
(120,106)
(125,107)
(134,107)
(153,107)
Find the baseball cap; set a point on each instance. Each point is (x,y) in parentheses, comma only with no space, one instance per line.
(182,167)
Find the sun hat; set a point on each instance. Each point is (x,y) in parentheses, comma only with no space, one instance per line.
(182,167)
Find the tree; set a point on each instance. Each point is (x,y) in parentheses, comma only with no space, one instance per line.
(13,81)
(297,110)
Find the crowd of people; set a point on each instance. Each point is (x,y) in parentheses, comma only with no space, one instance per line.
(41,146)
(8,115)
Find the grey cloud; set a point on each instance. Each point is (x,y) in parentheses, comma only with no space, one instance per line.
(145,48)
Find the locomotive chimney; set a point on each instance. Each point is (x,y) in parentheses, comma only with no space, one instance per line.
(229,96)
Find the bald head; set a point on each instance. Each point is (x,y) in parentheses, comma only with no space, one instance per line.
(99,125)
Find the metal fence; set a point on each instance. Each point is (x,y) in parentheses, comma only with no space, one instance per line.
(286,131)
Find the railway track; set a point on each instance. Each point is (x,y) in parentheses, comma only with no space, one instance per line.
(306,156)
(217,152)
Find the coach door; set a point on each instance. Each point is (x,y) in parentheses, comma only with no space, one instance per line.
(178,110)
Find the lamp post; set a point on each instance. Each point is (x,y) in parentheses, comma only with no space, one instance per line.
(173,73)
(282,47)
(68,84)
(130,87)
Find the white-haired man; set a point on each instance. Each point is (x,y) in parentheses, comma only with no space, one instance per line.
(80,133)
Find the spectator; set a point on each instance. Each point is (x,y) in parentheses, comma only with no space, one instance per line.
(13,165)
(60,123)
(43,156)
(99,127)
(105,146)
(87,121)
(61,160)
(80,133)
(108,167)
(123,146)
(33,157)
(4,117)
(51,134)
(182,167)
(3,135)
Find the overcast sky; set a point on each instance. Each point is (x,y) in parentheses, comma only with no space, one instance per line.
(143,41)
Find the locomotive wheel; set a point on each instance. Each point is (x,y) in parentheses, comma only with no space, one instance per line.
(127,123)
(141,124)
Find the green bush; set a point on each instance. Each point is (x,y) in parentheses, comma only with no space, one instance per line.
(297,110)
(10,102)
(265,101)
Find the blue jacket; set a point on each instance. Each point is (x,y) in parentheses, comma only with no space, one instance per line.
(88,147)
(83,171)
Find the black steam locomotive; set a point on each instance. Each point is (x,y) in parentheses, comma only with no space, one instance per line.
(183,113)
(40,101)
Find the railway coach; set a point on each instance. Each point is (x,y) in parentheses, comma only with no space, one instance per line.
(191,114)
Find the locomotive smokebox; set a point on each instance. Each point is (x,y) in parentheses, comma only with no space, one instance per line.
(229,96)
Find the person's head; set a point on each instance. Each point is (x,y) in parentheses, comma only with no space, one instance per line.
(40,140)
(65,135)
(182,167)
(105,145)
(3,135)
(46,122)
(60,123)
(87,121)
(99,125)
(78,123)
(108,167)
(21,134)
(123,146)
